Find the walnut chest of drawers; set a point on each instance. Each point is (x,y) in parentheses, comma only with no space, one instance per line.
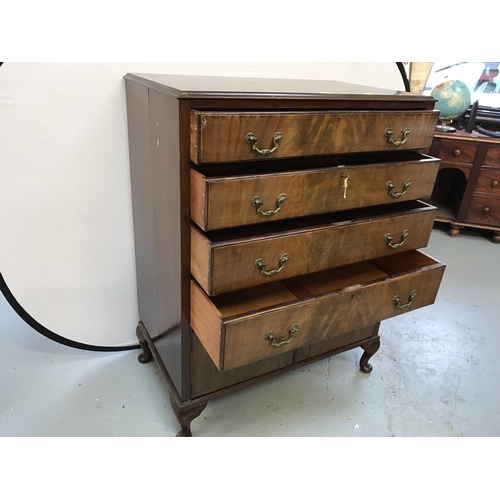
(276,223)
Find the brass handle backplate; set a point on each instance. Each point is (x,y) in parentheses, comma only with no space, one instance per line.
(251,139)
(397,301)
(389,134)
(388,239)
(261,266)
(272,337)
(257,203)
(390,188)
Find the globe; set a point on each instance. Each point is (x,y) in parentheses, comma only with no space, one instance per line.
(453,99)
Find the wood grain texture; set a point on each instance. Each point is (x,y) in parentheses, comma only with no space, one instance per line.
(341,278)
(485,210)
(220,137)
(309,249)
(206,378)
(463,136)
(242,338)
(492,156)
(245,91)
(328,315)
(199,197)
(331,344)
(201,258)
(489,181)
(222,202)
(170,122)
(206,321)
(456,151)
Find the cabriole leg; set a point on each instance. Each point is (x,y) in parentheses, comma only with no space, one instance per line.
(370,349)
(185,417)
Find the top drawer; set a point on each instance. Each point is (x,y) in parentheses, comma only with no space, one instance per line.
(457,151)
(219,137)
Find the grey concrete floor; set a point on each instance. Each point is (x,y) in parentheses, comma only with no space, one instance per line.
(436,374)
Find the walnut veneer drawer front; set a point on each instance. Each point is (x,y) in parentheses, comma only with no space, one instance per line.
(484,209)
(230,260)
(254,324)
(489,181)
(222,202)
(218,137)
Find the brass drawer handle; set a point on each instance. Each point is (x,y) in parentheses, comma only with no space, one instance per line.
(390,188)
(457,152)
(389,134)
(257,203)
(494,184)
(272,337)
(397,301)
(486,210)
(388,239)
(261,266)
(251,139)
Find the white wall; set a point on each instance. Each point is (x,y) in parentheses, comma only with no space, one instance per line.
(67,251)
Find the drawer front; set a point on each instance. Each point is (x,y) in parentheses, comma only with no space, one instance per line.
(456,151)
(222,202)
(218,137)
(484,209)
(256,335)
(224,266)
(492,156)
(489,181)
(206,378)
(339,341)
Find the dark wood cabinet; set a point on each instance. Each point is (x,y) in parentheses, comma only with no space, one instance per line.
(467,189)
(277,222)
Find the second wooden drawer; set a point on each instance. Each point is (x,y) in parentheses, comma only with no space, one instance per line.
(227,201)
(228,260)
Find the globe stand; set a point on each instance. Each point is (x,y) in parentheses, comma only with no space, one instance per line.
(443,127)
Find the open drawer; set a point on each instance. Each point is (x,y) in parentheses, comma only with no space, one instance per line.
(225,136)
(232,259)
(222,201)
(250,325)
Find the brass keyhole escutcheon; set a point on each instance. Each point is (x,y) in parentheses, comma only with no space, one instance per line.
(345,184)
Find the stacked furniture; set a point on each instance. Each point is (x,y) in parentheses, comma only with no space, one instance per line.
(277,222)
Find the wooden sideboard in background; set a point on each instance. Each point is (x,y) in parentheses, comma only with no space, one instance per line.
(467,189)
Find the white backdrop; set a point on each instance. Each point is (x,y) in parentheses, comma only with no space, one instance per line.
(67,250)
